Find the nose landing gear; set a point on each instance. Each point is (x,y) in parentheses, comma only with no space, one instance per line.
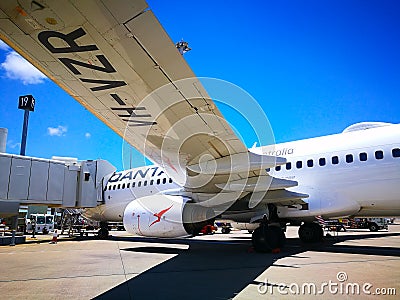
(103,232)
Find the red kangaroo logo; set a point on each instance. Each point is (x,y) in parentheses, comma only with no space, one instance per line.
(159,215)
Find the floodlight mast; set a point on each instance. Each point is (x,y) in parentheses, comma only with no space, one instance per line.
(182,47)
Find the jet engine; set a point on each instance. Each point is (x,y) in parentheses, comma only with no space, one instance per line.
(166,216)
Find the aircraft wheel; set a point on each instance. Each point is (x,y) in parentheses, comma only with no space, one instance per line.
(225,230)
(103,233)
(373,227)
(311,232)
(266,238)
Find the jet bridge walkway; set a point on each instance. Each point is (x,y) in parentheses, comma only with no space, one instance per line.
(55,183)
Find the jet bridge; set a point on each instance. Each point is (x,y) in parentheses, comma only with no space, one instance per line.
(55,183)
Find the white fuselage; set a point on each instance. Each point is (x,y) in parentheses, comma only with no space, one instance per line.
(355,172)
(352,173)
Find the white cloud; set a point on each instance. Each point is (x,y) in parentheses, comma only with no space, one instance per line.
(4,46)
(17,67)
(57,131)
(12,145)
(87,135)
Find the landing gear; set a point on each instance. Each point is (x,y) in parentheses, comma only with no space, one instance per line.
(311,233)
(269,236)
(103,231)
(266,238)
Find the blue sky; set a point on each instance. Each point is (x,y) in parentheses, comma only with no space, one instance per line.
(315,67)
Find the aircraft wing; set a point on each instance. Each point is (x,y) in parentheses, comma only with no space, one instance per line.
(115,59)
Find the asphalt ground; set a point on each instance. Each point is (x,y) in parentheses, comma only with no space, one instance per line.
(356,264)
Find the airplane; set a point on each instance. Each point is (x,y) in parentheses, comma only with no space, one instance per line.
(117,61)
(353,173)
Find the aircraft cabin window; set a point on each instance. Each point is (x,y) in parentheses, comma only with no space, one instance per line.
(299,164)
(158,181)
(363,156)
(119,186)
(288,166)
(109,187)
(310,163)
(277,168)
(268,169)
(133,184)
(128,185)
(322,161)
(379,154)
(114,186)
(170,180)
(396,152)
(349,158)
(164,181)
(151,182)
(335,160)
(139,184)
(145,183)
(123,185)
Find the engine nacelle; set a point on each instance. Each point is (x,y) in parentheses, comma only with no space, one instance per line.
(166,216)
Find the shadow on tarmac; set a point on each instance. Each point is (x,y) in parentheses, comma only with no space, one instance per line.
(211,269)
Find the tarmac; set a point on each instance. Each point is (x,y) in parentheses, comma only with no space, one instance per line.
(356,264)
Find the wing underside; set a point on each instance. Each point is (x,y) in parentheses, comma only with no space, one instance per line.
(116,59)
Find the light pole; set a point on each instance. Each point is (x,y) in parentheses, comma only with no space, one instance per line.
(27,103)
